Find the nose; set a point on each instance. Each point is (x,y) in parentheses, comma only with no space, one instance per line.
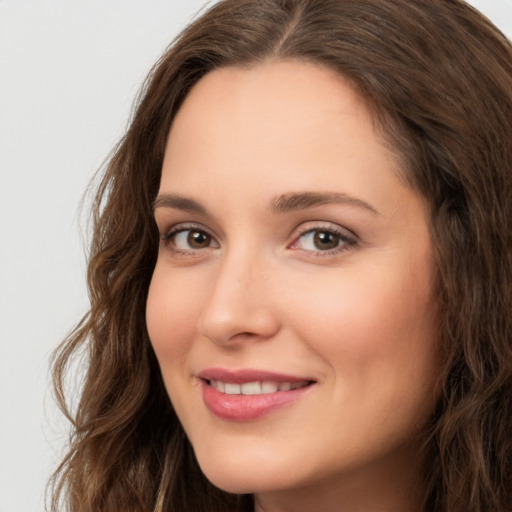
(240,307)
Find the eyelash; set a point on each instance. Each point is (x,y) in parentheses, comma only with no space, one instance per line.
(345,240)
(168,236)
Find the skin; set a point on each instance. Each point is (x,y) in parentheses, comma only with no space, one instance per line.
(257,292)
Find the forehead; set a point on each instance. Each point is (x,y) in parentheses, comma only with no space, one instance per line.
(269,85)
(291,122)
(235,115)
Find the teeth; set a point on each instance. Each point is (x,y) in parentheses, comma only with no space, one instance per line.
(269,387)
(251,388)
(255,388)
(232,389)
(218,385)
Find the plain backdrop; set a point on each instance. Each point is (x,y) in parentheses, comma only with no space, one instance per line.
(69,72)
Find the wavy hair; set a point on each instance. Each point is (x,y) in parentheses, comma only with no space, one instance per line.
(437,76)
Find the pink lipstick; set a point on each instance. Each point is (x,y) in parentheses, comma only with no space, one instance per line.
(247,395)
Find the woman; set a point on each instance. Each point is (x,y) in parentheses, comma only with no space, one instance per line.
(300,272)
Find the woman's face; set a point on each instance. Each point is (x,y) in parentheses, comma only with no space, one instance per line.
(291,308)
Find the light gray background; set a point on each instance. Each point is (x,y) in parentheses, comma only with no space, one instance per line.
(69,71)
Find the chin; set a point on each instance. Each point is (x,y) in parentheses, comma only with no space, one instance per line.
(244,476)
(233,484)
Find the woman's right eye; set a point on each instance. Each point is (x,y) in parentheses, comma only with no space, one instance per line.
(189,239)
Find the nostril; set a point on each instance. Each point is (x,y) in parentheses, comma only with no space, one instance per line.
(241,324)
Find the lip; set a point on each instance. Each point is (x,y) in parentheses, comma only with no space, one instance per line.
(243,408)
(248,375)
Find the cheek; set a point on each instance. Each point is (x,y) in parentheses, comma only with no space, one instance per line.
(171,316)
(378,338)
(373,328)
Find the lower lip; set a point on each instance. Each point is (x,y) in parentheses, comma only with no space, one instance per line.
(247,407)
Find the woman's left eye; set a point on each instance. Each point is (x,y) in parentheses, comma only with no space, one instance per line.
(321,240)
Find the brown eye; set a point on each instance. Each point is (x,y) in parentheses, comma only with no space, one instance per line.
(198,239)
(190,239)
(325,240)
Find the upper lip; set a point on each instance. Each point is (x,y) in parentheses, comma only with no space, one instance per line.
(248,375)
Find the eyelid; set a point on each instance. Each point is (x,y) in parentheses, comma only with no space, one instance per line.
(348,237)
(167,234)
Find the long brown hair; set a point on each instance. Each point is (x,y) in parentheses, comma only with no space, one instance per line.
(438,77)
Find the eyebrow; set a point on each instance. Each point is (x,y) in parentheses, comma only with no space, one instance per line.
(302,200)
(180,203)
(284,203)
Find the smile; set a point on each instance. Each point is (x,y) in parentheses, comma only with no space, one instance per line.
(255,388)
(248,395)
